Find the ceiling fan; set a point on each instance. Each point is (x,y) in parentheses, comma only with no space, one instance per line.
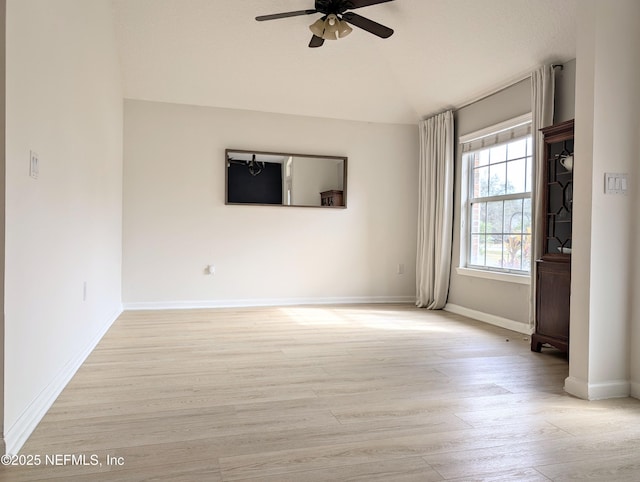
(255,167)
(336,18)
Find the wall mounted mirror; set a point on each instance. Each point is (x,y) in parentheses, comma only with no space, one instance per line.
(285,179)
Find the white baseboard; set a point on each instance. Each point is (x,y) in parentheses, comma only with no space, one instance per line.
(597,391)
(245,303)
(19,432)
(488,318)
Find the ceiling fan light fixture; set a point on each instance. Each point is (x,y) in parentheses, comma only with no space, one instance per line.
(330,28)
(337,20)
(317,28)
(343,29)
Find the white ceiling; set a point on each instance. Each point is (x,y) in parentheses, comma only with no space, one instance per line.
(443,54)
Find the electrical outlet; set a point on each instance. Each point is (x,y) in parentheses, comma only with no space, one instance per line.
(400,269)
(34,165)
(211,269)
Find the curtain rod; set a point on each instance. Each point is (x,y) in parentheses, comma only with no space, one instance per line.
(494,92)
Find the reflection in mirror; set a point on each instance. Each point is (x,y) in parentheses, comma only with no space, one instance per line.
(269,178)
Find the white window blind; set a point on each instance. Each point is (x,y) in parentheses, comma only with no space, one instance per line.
(496,138)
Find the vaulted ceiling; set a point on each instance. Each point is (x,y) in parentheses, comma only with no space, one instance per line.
(443,54)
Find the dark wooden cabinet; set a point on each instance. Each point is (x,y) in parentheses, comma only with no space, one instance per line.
(332,198)
(553,279)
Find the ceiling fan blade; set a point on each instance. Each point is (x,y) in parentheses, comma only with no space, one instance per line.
(316,42)
(364,3)
(369,25)
(275,16)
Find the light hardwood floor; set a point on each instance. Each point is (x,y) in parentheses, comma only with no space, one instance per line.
(346,393)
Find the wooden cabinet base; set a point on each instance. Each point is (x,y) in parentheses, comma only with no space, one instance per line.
(538,340)
(552,306)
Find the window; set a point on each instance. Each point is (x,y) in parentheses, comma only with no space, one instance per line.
(498,166)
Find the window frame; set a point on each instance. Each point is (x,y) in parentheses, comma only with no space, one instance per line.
(506,128)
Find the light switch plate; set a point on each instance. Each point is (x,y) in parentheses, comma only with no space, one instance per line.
(34,165)
(616,183)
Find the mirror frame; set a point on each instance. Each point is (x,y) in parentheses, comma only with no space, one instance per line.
(284,154)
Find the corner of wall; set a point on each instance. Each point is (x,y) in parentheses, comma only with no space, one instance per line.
(599,391)
(565,96)
(634,390)
(19,432)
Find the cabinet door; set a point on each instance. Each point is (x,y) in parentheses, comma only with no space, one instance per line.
(558,191)
(554,291)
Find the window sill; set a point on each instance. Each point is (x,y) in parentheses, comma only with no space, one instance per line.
(494,275)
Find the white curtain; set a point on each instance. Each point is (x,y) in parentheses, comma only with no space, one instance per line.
(435,211)
(542,96)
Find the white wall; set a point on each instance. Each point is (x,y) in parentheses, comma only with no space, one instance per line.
(64,101)
(604,270)
(176,223)
(3,6)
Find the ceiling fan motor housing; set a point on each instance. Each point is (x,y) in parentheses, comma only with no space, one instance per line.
(333,6)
